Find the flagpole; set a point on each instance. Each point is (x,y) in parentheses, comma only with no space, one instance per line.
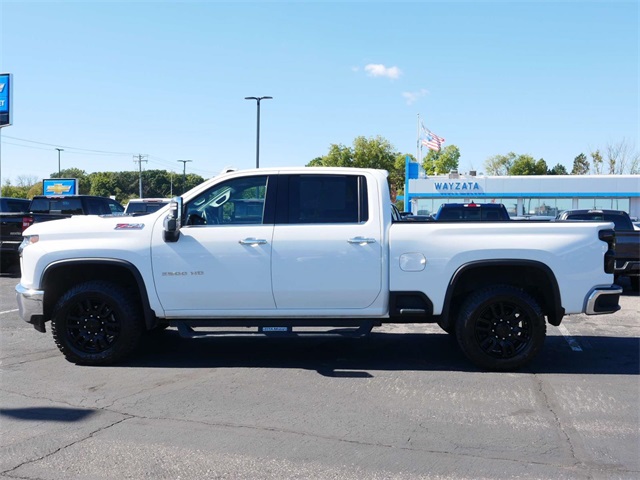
(418,142)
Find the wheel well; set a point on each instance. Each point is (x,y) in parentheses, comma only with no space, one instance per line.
(60,277)
(532,277)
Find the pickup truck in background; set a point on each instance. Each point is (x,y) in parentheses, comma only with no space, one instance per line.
(472,212)
(273,251)
(12,224)
(627,239)
(23,212)
(45,207)
(143,206)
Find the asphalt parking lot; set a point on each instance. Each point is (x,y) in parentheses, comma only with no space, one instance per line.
(402,404)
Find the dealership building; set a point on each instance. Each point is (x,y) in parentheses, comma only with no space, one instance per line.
(530,195)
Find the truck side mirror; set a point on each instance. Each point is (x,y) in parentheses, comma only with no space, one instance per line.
(173,220)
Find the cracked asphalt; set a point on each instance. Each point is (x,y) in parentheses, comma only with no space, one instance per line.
(401,404)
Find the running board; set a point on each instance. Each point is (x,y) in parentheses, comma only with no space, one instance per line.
(186,331)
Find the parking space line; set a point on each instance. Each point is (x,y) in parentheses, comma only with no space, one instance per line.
(573,343)
(9,311)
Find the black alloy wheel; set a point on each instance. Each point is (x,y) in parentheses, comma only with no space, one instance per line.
(501,328)
(96,323)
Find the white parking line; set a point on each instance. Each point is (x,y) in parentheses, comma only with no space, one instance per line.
(9,311)
(573,343)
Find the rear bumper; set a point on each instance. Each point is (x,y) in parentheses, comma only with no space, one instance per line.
(30,305)
(603,300)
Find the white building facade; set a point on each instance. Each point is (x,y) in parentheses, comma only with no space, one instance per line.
(539,195)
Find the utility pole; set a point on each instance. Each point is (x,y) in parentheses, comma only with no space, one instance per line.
(184,174)
(139,159)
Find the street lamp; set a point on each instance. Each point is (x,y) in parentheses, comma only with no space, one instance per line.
(59,150)
(184,173)
(257,99)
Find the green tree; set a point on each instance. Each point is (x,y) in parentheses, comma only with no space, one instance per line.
(499,164)
(22,188)
(35,190)
(527,165)
(83,179)
(156,184)
(596,161)
(193,180)
(443,161)
(104,184)
(316,162)
(580,165)
(373,153)
(13,191)
(558,170)
(338,156)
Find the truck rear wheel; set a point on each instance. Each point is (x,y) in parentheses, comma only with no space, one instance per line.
(96,323)
(500,328)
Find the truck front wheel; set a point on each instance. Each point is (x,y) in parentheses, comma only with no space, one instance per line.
(96,323)
(500,328)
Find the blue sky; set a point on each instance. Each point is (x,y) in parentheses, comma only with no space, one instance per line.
(109,80)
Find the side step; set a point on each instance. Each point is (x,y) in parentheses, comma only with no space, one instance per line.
(362,329)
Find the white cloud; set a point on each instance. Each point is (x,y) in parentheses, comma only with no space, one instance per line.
(379,70)
(412,97)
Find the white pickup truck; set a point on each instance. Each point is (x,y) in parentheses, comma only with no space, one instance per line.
(275,251)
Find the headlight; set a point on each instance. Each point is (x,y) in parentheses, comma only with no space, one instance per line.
(26,241)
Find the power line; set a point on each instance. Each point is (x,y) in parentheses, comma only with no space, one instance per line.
(66,146)
(167,164)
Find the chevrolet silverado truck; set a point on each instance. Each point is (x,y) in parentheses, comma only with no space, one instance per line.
(627,258)
(44,208)
(12,224)
(274,251)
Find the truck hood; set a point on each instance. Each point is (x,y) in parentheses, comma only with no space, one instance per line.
(92,224)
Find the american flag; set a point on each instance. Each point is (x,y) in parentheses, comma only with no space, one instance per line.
(431,140)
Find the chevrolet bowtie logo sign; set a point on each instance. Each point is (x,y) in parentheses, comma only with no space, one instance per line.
(58,188)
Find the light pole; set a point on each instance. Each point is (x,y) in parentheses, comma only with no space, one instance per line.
(257,99)
(184,173)
(59,150)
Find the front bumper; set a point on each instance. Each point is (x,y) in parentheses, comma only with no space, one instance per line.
(30,306)
(603,300)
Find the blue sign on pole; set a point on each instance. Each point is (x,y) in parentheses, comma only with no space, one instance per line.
(60,186)
(5,99)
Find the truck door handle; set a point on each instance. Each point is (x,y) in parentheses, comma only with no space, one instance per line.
(361,240)
(252,241)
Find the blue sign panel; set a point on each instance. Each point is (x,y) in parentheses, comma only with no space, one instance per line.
(5,99)
(60,186)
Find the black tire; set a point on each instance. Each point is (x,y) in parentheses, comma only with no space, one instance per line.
(96,323)
(500,328)
(635,283)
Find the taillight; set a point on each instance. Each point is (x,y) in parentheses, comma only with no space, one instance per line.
(609,236)
(26,222)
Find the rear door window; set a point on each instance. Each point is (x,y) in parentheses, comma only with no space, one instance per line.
(323,199)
